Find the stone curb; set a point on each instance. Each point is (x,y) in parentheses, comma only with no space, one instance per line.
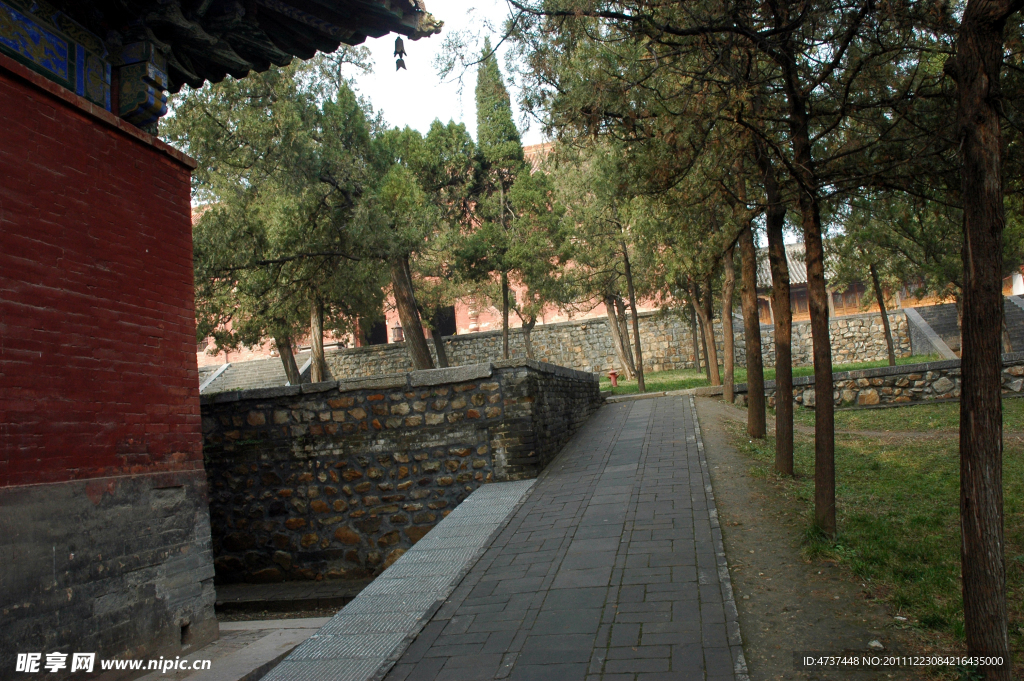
(415,379)
(724,578)
(457,374)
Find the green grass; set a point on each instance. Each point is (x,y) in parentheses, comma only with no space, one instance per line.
(659,381)
(944,417)
(681,379)
(898,518)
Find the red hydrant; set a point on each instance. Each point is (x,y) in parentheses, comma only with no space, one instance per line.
(614,375)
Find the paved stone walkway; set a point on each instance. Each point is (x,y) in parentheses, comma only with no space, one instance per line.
(613,568)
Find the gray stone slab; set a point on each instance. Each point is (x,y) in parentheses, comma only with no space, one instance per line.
(386,382)
(359,646)
(422,555)
(469,372)
(354,623)
(416,583)
(312,388)
(325,670)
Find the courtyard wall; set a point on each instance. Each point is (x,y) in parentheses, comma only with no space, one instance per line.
(666,338)
(337,479)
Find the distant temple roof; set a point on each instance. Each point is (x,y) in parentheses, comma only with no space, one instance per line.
(796,259)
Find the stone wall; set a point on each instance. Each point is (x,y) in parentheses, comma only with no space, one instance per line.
(896,385)
(337,479)
(586,345)
(855,338)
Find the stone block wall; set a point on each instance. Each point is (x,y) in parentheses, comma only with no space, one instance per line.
(338,479)
(899,384)
(855,338)
(586,345)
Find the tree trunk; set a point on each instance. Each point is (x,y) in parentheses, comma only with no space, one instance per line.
(317,365)
(527,336)
(1007,343)
(442,354)
(775,220)
(613,327)
(817,300)
(620,313)
(978,60)
(824,405)
(291,371)
(405,301)
(504,315)
(708,303)
(636,320)
(360,334)
(704,345)
(700,306)
(696,335)
(728,286)
(756,425)
(783,312)
(885,315)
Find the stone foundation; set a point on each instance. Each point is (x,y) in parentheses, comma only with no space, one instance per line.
(337,479)
(116,566)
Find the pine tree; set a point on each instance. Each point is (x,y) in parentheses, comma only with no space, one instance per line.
(278,249)
(501,161)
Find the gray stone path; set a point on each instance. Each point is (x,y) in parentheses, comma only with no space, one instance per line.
(613,568)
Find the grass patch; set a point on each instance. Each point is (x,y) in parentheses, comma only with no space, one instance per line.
(658,381)
(943,417)
(681,379)
(898,517)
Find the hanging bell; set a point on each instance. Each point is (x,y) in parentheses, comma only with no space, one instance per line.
(400,64)
(399,47)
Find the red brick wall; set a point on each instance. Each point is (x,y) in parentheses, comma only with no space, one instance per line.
(97,325)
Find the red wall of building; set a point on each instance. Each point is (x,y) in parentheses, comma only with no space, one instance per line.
(97,327)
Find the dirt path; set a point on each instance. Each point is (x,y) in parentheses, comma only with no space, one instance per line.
(786,604)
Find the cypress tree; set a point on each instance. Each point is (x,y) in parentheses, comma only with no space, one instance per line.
(501,160)
(496,133)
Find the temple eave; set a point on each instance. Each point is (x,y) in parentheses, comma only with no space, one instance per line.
(151,47)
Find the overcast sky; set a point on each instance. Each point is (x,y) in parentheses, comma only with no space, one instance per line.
(416,96)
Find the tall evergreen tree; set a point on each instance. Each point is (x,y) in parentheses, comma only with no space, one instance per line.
(282,158)
(501,161)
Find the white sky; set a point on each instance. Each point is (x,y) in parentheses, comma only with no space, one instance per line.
(416,96)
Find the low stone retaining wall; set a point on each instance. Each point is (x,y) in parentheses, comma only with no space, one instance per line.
(895,385)
(337,479)
(667,344)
